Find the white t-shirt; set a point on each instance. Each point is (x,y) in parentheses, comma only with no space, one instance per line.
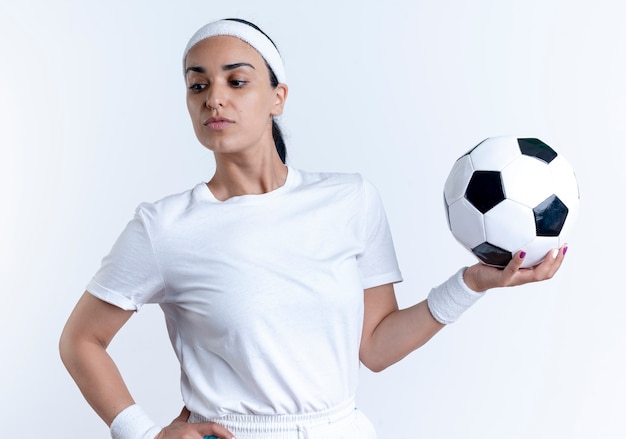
(262,294)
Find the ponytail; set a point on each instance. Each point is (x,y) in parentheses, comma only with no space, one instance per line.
(279,142)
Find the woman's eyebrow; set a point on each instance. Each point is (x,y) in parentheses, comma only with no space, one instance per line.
(236,66)
(195,69)
(225,67)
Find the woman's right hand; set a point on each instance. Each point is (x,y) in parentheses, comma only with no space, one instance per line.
(181,429)
(480,277)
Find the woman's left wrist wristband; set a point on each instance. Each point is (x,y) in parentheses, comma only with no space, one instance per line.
(134,423)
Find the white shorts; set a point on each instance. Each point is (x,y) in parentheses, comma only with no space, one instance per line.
(342,422)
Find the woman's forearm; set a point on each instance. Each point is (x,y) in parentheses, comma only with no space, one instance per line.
(398,334)
(97,377)
(85,338)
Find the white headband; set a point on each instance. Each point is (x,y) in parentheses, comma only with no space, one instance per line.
(246,33)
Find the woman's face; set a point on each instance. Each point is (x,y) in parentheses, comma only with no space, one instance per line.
(229,96)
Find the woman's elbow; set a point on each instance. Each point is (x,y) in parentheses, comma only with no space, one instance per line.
(374,363)
(67,346)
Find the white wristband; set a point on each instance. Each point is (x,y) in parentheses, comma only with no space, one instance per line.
(134,423)
(451,299)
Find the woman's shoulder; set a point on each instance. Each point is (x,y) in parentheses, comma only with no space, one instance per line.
(351,181)
(170,206)
(330,178)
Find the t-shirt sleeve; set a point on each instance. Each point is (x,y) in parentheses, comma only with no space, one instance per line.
(129,275)
(378,263)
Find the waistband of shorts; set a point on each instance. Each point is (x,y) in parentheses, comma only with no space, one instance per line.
(282,422)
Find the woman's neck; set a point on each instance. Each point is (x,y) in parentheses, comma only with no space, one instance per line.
(235,177)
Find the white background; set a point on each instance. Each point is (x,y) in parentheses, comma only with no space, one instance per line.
(93,122)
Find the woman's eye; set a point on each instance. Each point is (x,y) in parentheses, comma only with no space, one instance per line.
(238,83)
(196,88)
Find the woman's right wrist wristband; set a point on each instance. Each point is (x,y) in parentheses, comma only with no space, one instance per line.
(134,423)
(451,299)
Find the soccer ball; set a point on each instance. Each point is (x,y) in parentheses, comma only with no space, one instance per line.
(509,194)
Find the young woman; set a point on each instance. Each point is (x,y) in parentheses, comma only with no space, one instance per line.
(275,283)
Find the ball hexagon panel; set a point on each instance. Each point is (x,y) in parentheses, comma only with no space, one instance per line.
(509,225)
(466,223)
(538,249)
(527,180)
(447,211)
(564,182)
(470,151)
(484,190)
(458,179)
(495,153)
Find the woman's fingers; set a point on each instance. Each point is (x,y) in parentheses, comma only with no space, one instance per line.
(180,428)
(544,271)
(551,264)
(480,277)
(213,430)
(513,267)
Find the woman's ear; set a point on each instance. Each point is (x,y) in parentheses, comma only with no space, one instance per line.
(280,93)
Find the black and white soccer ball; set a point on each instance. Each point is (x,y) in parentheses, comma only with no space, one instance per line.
(508,194)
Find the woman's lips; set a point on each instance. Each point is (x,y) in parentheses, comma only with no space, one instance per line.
(217,123)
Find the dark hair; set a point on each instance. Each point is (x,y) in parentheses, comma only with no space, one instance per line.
(277,134)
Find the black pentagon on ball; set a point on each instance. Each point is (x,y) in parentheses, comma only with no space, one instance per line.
(492,255)
(550,216)
(537,149)
(485,190)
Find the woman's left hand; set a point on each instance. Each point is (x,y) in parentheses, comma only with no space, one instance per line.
(180,428)
(480,277)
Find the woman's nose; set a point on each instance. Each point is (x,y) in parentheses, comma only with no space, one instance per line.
(214,99)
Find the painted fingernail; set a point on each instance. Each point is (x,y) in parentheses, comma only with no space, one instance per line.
(564,250)
(522,255)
